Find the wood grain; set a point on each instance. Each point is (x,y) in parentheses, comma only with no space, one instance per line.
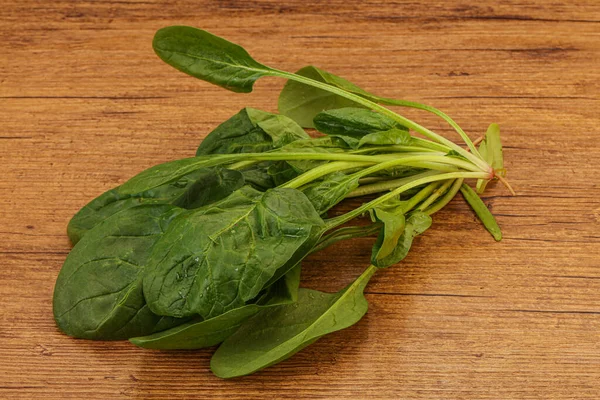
(85,104)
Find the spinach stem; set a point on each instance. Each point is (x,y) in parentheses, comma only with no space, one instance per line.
(435,195)
(342,219)
(349,232)
(439,113)
(386,185)
(442,202)
(410,160)
(422,194)
(376,107)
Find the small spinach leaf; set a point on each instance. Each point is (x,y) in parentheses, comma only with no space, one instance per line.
(391,137)
(98,293)
(277,333)
(481,210)
(353,122)
(251,131)
(208,57)
(218,257)
(201,333)
(396,236)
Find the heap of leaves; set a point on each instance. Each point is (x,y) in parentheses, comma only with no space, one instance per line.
(208,249)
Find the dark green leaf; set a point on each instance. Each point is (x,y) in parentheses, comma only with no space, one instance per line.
(481,210)
(251,131)
(392,137)
(208,57)
(201,333)
(353,122)
(397,236)
(330,191)
(218,257)
(193,190)
(277,333)
(98,293)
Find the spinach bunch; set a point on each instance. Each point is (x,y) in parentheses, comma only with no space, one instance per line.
(208,249)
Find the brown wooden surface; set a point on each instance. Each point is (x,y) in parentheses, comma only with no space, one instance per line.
(85,104)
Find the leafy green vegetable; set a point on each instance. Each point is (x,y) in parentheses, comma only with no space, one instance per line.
(98,293)
(217,258)
(201,333)
(397,236)
(481,210)
(193,190)
(208,57)
(354,122)
(203,250)
(251,131)
(277,333)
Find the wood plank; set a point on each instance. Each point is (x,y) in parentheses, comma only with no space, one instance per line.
(85,104)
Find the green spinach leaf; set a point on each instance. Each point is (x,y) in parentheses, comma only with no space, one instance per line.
(201,333)
(481,210)
(98,293)
(353,122)
(193,190)
(251,131)
(208,57)
(396,236)
(218,257)
(277,333)
(330,191)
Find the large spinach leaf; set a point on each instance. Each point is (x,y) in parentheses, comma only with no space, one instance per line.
(98,293)
(201,333)
(218,257)
(193,190)
(277,333)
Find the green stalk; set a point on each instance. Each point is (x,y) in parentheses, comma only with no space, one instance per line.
(386,185)
(435,195)
(414,161)
(320,171)
(417,198)
(439,113)
(342,219)
(349,232)
(441,203)
(404,121)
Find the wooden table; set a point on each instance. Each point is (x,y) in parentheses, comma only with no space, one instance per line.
(85,104)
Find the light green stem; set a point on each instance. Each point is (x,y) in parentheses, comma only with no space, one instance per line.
(376,107)
(342,219)
(386,185)
(446,198)
(435,195)
(439,113)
